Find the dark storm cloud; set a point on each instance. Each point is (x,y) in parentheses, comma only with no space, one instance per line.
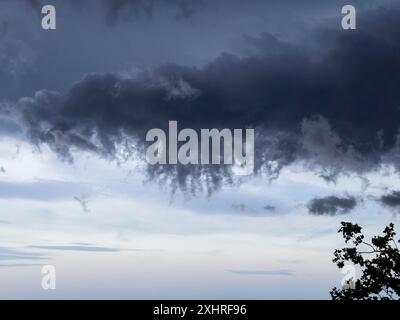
(8,127)
(332,205)
(391,200)
(333,104)
(3,29)
(8,124)
(35,4)
(122,10)
(125,9)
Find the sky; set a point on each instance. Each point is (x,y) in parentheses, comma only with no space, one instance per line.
(76,102)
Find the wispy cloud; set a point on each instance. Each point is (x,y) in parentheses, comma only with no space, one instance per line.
(41,190)
(83,201)
(280,272)
(20,265)
(292,261)
(245,210)
(76,248)
(17,254)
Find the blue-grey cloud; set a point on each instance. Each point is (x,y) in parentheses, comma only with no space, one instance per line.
(243,209)
(126,9)
(76,248)
(83,243)
(331,205)
(8,123)
(391,199)
(123,10)
(307,103)
(41,190)
(19,254)
(19,265)
(251,211)
(83,201)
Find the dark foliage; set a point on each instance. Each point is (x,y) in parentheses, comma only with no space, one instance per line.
(378,260)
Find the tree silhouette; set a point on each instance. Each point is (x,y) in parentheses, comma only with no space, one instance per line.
(378,260)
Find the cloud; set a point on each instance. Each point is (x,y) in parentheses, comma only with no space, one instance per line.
(8,122)
(332,205)
(41,190)
(17,254)
(83,201)
(77,248)
(283,272)
(120,10)
(269,208)
(83,244)
(391,200)
(123,10)
(310,104)
(16,57)
(36,5)
(19,265)
(3,29)
(243,209)
(292,261)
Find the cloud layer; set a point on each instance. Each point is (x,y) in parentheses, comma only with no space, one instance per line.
(331,104)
